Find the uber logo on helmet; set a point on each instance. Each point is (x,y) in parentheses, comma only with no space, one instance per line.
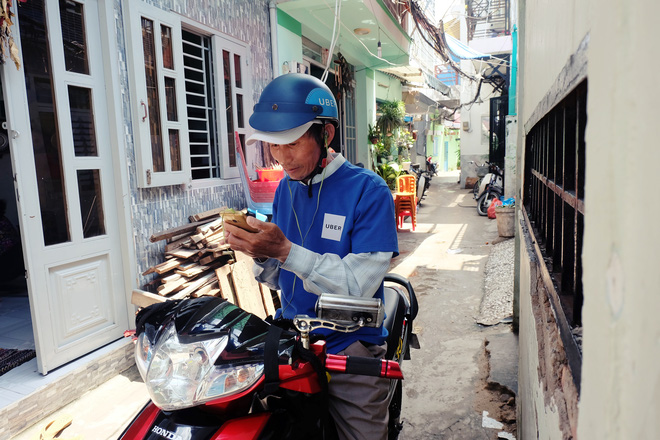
(327,102)
(333,226)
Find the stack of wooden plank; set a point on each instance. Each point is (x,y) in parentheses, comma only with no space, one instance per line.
(198,262)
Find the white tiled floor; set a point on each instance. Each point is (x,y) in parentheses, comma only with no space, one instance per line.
(15,323)
(16,332)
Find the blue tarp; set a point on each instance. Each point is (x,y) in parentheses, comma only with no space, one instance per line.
(461,50)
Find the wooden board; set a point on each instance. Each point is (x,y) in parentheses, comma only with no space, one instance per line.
(210,289)
(223,273)
(168,266)
(142,298)
(192,286)
(167,288)
(268,300)
(206,214)
(176,244)
(248,292)
(169,233)
(182,253)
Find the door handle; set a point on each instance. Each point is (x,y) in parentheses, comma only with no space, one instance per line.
(144,106)
(13,133)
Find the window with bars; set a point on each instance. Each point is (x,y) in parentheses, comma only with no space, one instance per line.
(554,196)
(200,104)
(189,85)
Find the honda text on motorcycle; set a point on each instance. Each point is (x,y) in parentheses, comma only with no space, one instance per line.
(214,371)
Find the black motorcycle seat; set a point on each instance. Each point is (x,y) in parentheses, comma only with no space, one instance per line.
(395,309)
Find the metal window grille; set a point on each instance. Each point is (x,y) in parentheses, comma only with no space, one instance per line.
(200,106)
(554,196)
(488,18)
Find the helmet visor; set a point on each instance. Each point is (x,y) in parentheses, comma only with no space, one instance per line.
(281,137)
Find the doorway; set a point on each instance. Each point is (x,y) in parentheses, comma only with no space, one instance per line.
(15,321)
(65,171)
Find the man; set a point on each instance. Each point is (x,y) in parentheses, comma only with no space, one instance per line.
(333,231)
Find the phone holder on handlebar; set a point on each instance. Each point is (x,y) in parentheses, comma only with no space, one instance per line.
(341,313)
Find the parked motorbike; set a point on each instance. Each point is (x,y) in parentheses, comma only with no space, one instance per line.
(214,371)
(431,167)
(490,188)
(423,180)
(482,170)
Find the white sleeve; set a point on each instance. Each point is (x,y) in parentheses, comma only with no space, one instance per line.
(355,274)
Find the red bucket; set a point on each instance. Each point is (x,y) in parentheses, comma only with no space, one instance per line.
(266,175)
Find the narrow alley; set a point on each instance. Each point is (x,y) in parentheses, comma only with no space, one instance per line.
(448,385)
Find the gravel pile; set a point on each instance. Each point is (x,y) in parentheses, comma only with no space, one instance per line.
(497,302)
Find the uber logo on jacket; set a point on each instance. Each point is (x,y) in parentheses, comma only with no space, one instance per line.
(333,226)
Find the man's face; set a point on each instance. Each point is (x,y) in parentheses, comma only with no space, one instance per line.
(298,158)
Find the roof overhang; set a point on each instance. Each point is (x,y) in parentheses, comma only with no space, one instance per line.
(370,18)
(415,76)
(426,100)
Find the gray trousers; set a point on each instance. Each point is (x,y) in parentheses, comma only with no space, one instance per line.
(358,404)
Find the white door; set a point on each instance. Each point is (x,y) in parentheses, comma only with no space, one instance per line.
(62,158)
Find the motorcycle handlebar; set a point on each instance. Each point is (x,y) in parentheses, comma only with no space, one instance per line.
(363,366)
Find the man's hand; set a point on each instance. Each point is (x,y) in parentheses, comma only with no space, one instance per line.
(268,242)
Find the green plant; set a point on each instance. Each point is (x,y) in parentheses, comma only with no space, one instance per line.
(374,134)
(391,116)
(404,142)
(389,171)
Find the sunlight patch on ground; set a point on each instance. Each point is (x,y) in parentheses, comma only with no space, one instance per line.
(439,251)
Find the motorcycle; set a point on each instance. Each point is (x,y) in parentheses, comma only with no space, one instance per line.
(490,188)
(214,371)
(423,180)
(482,170)
(431,167)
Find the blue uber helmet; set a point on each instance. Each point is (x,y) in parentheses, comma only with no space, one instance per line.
(289,105)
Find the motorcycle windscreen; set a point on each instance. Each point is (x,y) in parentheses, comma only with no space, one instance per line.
(210,317)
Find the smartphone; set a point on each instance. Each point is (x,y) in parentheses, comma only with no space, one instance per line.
(238,219)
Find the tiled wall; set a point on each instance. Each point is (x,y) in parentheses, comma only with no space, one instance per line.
(154,210)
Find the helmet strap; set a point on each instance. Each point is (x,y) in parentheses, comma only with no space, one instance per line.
(323,161)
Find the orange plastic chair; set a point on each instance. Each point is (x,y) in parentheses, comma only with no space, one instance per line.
(406,183)
(405,206)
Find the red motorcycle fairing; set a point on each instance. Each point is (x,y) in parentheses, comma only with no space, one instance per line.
(154,424)
(244,428)
(140,426)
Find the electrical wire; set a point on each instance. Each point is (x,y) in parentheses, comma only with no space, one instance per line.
(333,40)
(302,238)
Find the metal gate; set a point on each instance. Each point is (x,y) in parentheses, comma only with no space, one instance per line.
(499,108)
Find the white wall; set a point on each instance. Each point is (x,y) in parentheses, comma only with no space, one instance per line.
(365,115)
(474,142)
(388,88)
(621,343)
(621,378)
(289,48)
(552,32)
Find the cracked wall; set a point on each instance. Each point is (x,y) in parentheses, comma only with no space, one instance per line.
(548,398)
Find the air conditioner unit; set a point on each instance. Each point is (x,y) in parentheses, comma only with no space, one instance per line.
(466,125)
(484,30)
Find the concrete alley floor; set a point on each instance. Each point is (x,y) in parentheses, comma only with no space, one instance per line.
(462,368)
(449,382)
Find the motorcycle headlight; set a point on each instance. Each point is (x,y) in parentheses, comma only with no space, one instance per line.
(184,375)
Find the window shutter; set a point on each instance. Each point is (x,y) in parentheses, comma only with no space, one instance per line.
(158,112)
